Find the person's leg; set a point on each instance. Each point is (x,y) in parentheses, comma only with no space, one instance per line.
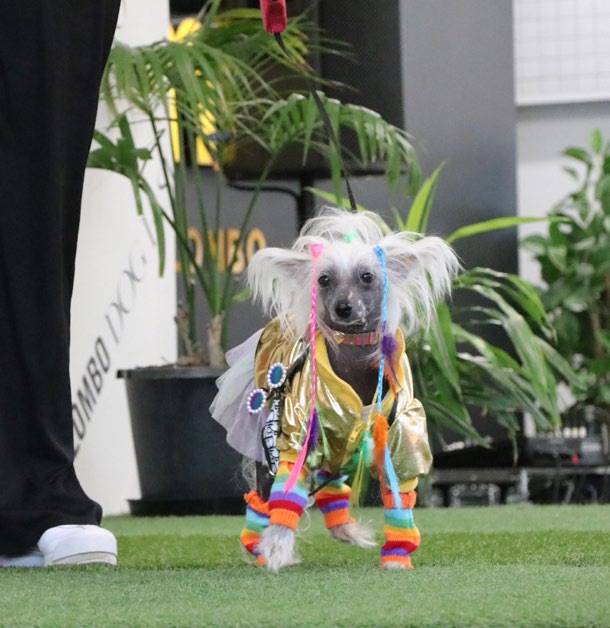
(52,55)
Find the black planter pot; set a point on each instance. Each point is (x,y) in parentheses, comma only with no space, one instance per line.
(184,463)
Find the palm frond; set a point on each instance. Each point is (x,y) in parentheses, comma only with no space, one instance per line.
(296,120)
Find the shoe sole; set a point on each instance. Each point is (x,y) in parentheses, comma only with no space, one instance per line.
(86,558)
(28,561)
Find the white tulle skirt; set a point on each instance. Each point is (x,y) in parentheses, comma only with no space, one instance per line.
(229,408)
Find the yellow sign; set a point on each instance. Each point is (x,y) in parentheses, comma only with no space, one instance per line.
(222,247)
(185,29)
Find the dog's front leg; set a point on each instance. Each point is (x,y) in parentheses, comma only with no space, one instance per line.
(276,546)
(333,501)
(401,535)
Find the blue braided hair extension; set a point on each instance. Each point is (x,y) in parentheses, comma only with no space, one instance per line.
(387,349)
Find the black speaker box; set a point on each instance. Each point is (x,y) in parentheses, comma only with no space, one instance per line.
(372,29)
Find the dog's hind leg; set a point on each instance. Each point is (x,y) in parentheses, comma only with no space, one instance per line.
(257,512)
(257,521)
(264,481)
(333,501)
(276,546)
(401,535)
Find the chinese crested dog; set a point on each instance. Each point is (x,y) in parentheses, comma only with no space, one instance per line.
(324,392)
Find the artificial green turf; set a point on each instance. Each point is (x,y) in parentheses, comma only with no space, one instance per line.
(504,566)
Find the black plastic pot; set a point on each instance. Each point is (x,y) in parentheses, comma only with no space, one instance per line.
(184,463)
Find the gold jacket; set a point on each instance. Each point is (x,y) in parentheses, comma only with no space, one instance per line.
(340,409)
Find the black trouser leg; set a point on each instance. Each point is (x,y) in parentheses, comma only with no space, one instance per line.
(52,54)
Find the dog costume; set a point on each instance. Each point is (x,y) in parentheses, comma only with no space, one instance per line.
(344,422)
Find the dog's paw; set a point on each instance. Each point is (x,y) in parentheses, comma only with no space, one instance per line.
(276,548)
(394,566)
(358,534)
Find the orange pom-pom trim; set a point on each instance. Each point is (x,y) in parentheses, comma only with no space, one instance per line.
(381,429)
(254,500)
(407,499)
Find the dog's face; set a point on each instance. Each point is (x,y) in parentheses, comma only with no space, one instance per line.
(350,289)
(349,276)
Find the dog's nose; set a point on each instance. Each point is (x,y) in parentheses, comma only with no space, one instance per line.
(343,309)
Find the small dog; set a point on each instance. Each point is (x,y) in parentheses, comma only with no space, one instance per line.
(326,386)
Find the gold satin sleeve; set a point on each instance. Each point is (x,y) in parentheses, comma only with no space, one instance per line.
(408,438)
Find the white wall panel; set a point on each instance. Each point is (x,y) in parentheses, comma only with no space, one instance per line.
(122,310)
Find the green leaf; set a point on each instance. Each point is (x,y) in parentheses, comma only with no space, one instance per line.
(519,292)
(600,366)
(242,296)
(401,225)
(603,193)
(572,172)
(579,154)
(493,224)
(417,220)
(596,141)
(535,244)
(604,339)
(452,421)
(558,257)
(443,348)
(577,301)
(343,202)
(561,366)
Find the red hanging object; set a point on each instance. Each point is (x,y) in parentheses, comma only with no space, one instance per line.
(275,17)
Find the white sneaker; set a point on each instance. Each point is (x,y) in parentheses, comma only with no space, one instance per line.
(31,559)
(78,545)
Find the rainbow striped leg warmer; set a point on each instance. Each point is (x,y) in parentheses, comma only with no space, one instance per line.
(333,499)
(257,519)
(401,535)
(285,509)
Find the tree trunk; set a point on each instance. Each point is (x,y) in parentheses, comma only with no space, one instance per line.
(215,350)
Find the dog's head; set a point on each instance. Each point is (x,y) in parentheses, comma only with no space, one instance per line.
(350,277)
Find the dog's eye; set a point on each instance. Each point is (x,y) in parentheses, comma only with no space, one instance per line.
(366,277)
(324,280)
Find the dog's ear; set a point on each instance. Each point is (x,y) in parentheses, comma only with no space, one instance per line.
(272,264)
(420,273)
(280,280)
(429,257)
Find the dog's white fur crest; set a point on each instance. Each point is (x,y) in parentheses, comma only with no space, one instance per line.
(277,547)
(355,533)
(420,269)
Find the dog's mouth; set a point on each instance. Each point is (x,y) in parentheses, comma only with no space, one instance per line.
(351,327)
(341,328)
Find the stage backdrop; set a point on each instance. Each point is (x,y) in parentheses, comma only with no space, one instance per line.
(122,311)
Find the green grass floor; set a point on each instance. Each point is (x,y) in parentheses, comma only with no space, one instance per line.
(503,566)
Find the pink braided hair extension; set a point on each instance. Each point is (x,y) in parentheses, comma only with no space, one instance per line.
(313,426)
(315,250)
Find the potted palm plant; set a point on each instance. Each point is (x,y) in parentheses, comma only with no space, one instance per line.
(215,90)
